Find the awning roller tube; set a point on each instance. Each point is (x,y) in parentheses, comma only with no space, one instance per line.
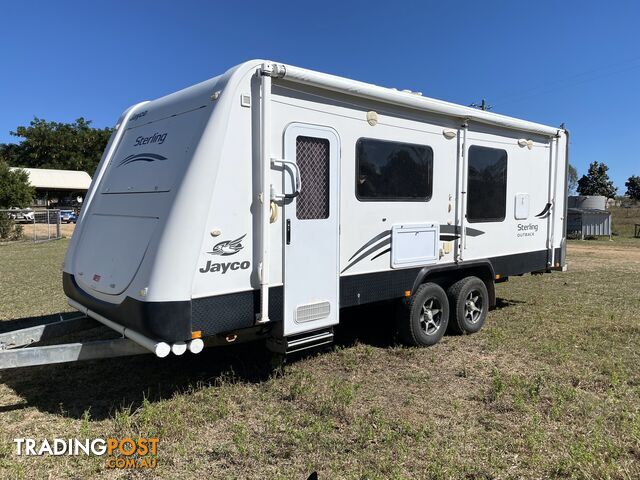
(387,95)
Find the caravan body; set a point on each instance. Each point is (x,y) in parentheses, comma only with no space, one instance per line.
(264,200)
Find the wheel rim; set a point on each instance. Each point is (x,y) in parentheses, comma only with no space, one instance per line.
(431,316)
(473,306)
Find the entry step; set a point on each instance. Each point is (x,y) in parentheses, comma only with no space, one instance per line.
(301,341)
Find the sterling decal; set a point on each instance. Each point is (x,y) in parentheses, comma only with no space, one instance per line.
(527,230)
(155,138)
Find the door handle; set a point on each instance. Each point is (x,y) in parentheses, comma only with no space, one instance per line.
(288,232)
(298,179)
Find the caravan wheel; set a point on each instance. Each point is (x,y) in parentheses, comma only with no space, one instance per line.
(424,319)
(469,302)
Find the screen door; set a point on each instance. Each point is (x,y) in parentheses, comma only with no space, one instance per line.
(311,246)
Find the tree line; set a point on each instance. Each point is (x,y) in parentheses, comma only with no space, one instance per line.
(597,182)
(44,144)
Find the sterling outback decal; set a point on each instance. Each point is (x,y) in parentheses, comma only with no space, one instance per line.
(376,244)
(141,157)
(228,247)
(527,229)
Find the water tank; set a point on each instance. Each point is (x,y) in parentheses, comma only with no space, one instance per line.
(597,202)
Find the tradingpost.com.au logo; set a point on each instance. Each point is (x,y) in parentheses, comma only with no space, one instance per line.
(121,453)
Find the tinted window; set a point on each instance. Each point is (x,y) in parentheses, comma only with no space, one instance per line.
(487,185)
(393,171)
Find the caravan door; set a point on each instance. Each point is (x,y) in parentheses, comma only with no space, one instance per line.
(311,223)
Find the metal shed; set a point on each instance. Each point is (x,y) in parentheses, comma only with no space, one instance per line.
(588,222)
(57,186)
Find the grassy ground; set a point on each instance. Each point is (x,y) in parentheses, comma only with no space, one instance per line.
(624,221)
(550,388)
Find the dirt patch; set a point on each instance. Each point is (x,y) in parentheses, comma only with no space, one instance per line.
(604,251)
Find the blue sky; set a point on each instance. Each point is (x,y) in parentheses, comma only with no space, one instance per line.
(546,61)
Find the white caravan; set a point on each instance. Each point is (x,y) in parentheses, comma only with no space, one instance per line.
(260,203)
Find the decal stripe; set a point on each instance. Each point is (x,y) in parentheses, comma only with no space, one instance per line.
(546,210)
(380,254)
(371,242)
(455,230)
(141,157)
(448,233)
(472,232)
(383,243)
(449,238)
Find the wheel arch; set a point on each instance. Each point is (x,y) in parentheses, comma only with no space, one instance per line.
(447,275)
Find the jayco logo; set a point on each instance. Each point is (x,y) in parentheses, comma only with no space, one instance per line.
(225,249)
(228,247)
(138,115)
(224,267)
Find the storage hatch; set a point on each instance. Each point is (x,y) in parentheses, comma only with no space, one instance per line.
(111,251)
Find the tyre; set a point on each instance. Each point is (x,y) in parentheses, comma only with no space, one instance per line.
(469,303)
(423,320)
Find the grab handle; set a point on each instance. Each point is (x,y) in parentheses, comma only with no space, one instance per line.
(298,180)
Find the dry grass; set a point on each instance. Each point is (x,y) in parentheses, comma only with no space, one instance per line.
(549,389)
(44,231)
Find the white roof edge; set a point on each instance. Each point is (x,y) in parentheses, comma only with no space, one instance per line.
(388,95)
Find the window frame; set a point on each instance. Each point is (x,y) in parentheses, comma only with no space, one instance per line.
(392,199)
(506,185)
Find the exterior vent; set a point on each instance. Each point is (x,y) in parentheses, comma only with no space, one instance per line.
(312,311)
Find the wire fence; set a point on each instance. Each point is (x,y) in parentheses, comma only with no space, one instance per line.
(30,225)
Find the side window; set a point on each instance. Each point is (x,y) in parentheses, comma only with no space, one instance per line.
(487,185)
(393,171)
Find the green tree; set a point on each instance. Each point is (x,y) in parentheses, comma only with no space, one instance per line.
(633,187)
(572,180)
(67,146)
(597,182)
(15,190)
